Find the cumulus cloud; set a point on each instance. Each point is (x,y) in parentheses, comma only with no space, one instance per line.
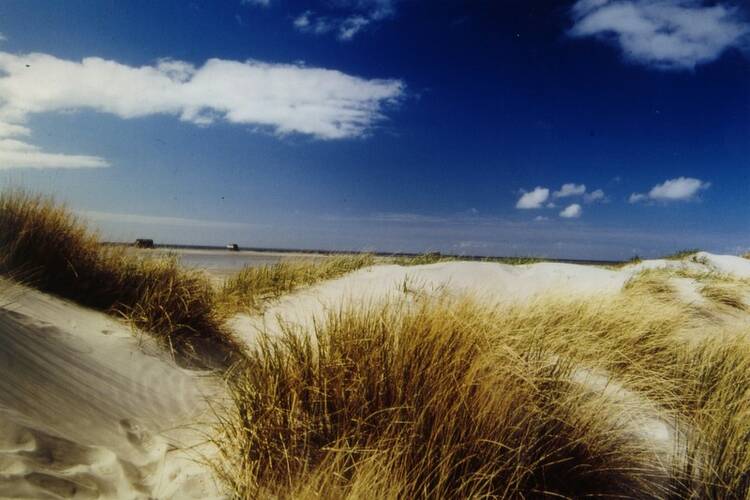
(284,98)
(679,189)
(595,196)
(570,189)
(541,218)
(665,34)
(346,18)
(533,199)
(258,3)
(572,211)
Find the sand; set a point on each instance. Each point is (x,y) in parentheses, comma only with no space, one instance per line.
(88,409)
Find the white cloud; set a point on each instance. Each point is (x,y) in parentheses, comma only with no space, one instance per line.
(533,199)
(285,98)
(594,196)
(570,189)
(572,211)
(2,37)
(307,22)
(346,18)
(540,218)
(665,34)
(15,153)
(351,26)
(258,3)
(288,98)
(637,198)
(679,189)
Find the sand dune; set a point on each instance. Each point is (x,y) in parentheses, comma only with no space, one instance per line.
(90,410)
(487,281)
(87,410)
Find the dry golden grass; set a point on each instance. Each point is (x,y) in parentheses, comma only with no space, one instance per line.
(434,257)
(439,398)
(731,294)
(253,287)
(47,247)
(424,401)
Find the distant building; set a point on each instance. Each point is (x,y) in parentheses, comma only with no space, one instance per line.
(144,243)
(234,247)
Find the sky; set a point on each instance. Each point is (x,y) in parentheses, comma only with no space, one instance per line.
(589,129)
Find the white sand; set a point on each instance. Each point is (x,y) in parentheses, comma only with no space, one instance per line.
(87,412)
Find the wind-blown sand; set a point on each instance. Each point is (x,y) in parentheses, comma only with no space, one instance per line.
(88,410)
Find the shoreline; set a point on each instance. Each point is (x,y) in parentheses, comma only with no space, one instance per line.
(283,252)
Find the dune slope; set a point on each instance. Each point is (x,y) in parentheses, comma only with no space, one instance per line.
(87,410)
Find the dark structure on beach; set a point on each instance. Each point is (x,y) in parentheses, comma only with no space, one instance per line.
(144,243)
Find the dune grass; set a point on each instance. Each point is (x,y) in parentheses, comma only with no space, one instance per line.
(425,402)
(435,257)
(253,287)
(439,398)
(47,247)
(682,254)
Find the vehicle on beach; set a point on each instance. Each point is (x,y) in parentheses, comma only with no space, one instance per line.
(233,247)
(144,243)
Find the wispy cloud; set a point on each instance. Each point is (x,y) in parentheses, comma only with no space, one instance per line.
(285,98)
(572,211)
(257,3)
(345,18)
(160,221)
(664,34)
(679,189)
(19,154)
(533,199)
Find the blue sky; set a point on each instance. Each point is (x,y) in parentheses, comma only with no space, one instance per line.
(580,129)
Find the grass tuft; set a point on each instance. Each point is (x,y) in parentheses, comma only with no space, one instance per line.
(425,401)
(47,247)
(727,293)
(252,287)
(682,254)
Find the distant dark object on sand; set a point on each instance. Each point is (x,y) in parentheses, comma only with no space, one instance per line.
(144,243)
(233,247)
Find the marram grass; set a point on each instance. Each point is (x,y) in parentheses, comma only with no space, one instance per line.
(253,287)
(445,398)
(47,247)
